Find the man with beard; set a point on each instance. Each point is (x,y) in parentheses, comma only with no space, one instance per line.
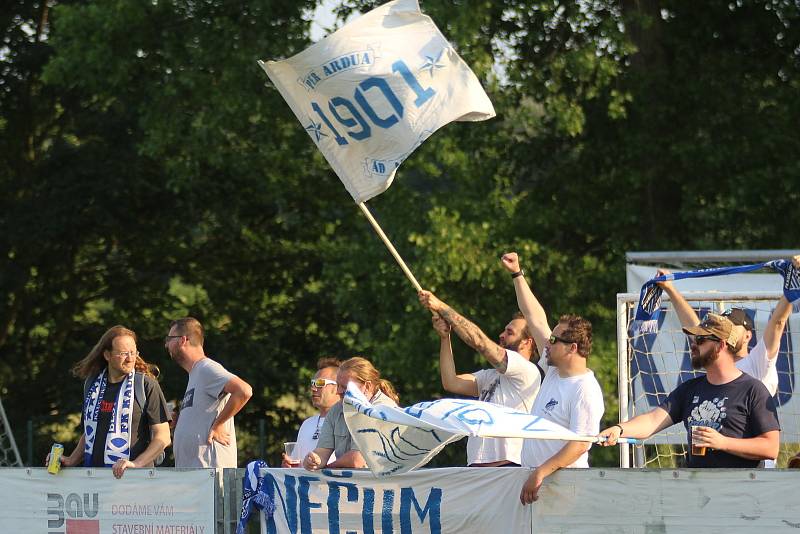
(730,417)
(205,435)
(760,362)
(514,381)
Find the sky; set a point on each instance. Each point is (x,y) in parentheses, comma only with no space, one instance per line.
(323,19)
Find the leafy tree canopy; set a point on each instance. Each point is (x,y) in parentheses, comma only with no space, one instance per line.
(149,173)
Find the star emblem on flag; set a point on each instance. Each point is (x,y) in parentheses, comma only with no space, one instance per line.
(316,129)
(432,63)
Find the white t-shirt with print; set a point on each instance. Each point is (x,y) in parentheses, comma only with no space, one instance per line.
(516,389)
(574,402)
(308,436)
(759,365)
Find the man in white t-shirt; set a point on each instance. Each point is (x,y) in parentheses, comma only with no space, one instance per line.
(513,382)
(570,394)
(323,396)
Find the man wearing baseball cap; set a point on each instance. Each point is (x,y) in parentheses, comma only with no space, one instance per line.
(758,362)
(730,417)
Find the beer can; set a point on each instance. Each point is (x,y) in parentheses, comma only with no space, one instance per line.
(54,465)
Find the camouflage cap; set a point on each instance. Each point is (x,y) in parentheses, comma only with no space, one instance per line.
(718,326)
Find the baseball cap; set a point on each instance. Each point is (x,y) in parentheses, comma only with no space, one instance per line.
(738,316)
(718,326)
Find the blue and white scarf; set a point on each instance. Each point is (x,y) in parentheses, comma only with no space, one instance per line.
(253,494)
(118,438)
(646,320)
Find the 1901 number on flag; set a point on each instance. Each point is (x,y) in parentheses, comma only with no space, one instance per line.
(373,91)
(360,95)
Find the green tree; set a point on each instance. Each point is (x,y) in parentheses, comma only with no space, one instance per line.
(148,173)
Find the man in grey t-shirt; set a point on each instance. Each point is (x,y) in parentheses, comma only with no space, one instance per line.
(204,435)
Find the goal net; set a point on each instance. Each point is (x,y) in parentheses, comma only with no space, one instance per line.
(9,454)
(651,365)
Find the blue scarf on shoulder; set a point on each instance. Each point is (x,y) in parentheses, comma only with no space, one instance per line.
(118,438)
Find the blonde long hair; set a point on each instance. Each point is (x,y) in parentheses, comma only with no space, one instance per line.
(94,362)
(363,370)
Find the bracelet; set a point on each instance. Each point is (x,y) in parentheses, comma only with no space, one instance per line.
(518,274)
(620,428)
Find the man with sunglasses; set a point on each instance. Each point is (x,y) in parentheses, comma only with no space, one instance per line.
(730,417)
(324,395)
(513,382)
(758,362)
(570,394)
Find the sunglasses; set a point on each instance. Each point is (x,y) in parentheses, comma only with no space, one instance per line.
(699,340)
(321,382)
(553,338)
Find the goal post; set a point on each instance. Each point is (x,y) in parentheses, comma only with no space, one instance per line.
(651,365)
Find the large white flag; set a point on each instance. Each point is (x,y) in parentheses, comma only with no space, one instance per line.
(374,90)
(397,440)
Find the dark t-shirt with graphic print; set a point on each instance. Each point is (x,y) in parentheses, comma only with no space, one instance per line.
(155,413)
(742,408)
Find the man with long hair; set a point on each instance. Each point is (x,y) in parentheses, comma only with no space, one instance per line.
(125,416)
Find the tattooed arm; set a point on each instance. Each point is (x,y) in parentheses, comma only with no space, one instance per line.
(467,331)
(464,384)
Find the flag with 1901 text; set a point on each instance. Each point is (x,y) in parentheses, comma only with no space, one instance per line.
(373,91)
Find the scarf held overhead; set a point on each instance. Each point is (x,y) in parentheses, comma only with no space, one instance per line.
(649,308)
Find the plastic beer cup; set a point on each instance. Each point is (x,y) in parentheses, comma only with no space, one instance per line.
(697,450)
(288,448)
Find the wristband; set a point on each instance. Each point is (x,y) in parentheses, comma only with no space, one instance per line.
(518,274)
(620,428)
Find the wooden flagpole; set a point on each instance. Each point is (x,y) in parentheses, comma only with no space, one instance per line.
(389,245)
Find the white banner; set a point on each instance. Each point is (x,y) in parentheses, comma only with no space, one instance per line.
(373,91)
(576,501)
(452,500)
(397,440)
(92,501)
